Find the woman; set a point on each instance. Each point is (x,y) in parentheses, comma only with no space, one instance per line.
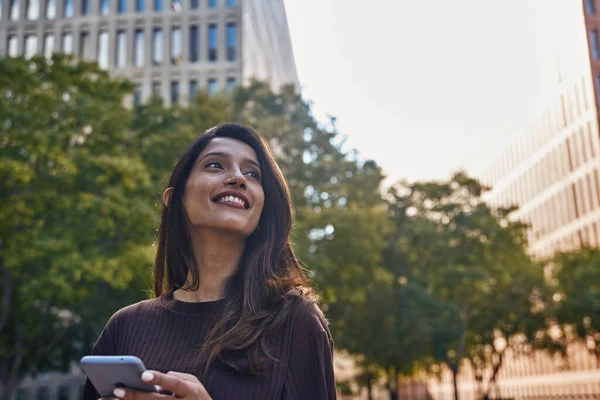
(234,316)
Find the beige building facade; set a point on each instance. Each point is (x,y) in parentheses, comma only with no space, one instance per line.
(552,170)
(169,47)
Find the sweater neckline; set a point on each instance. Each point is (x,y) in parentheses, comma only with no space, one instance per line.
(186,307)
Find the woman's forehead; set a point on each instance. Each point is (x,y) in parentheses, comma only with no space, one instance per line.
(230,147)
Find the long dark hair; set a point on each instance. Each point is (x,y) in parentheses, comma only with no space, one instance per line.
(270,277)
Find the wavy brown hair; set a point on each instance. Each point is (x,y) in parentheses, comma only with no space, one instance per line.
(270,278)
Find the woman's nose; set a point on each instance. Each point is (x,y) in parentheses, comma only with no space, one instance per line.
(236,179)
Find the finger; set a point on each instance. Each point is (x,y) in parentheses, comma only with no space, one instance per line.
(172,383)
(185,377)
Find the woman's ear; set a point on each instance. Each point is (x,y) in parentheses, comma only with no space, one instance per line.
(167,196)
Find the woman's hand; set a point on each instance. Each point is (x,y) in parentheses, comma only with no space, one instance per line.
(182,386)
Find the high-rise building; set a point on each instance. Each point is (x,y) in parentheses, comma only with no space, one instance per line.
(170,47)
(552,170)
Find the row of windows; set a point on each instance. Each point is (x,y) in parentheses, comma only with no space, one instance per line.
(33,7)
(137,56)
(567,205)
(572,104)
(587,235)
(525,363)
(212,86)
(590,7)
(577,150)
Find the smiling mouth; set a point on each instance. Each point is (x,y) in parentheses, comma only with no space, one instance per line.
(232,201)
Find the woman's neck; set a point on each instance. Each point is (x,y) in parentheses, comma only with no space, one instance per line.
(217,258)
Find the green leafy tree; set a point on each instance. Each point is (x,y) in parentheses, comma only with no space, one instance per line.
(576,306)
(75,221)
(473,261)
(320,174)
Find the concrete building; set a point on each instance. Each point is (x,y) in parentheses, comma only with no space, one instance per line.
(171,47)
(552,170)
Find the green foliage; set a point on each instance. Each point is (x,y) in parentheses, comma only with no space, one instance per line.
(576,306)
(74,207)
(427,274)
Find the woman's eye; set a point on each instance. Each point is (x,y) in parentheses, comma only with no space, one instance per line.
(213,164)
(254,174)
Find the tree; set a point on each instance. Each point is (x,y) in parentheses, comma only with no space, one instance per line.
(576,304)
(75,220)
(319,173)
(473,261)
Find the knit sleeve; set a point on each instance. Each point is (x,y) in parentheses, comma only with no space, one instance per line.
(105,346)
(310,370)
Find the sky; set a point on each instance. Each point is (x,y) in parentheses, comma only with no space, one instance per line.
(425,87)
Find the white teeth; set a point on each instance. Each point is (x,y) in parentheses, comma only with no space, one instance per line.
(231,199)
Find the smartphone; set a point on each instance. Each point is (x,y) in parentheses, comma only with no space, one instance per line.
(110,372)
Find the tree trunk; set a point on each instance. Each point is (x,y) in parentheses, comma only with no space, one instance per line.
(454,382)
(392,383)
(370,389)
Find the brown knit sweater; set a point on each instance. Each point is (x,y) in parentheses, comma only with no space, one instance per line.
(167,334)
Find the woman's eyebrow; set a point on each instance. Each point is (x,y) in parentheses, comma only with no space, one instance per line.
(225,155)
(250,161)
(215,154)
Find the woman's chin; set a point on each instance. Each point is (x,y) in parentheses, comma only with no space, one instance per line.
(232,229)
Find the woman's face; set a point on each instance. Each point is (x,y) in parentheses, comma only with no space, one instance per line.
(224,190)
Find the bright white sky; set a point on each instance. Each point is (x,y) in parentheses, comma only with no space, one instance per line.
(424,87)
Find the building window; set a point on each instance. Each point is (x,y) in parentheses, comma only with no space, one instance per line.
(50,9)
(137,95)
(194,43)
(231,84)
(33,9)
(212,42)
(22,394)
(140,5)
(63,393)
(212,3)
(85,46)
(85,7)
(231,41)
(156,88)
(68,9)
(194,4)
(594,44)
(48,45)
(193,91)
(43,393)
(212,86)
(158,5)
(30,46)
(13,46)
(590,6)
(231,3)
(157,46)
(104,7)
(174,92)
(121,50)
(103,49)
(175,45)
(176,5)
(122,6)
(67,43)
(15,10)
(138,48)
